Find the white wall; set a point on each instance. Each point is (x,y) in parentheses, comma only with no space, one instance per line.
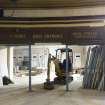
(39,51)
(79,50)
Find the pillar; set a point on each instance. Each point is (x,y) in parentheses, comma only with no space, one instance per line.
(10,62)
(67,70)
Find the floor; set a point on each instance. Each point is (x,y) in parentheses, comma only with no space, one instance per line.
(18,94)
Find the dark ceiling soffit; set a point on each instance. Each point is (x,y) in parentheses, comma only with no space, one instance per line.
(32,23)
(53,18)
(49,5)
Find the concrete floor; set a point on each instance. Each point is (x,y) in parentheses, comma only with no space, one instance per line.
(18,94)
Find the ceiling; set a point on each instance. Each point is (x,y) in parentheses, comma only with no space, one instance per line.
(49,3)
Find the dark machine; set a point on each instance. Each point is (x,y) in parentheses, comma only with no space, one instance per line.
(60,65)
(60,68)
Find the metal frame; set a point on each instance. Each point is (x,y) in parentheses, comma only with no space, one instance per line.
(30,68)
(67,70)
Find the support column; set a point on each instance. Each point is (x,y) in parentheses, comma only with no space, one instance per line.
(10,62)
(3,63)
(30,68)
(67,71)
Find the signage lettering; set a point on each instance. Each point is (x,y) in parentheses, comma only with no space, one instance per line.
(86,35)
(75,35)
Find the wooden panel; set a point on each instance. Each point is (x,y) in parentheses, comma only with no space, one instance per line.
(48,3)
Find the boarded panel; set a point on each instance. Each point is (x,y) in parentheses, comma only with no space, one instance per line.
(76,35)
